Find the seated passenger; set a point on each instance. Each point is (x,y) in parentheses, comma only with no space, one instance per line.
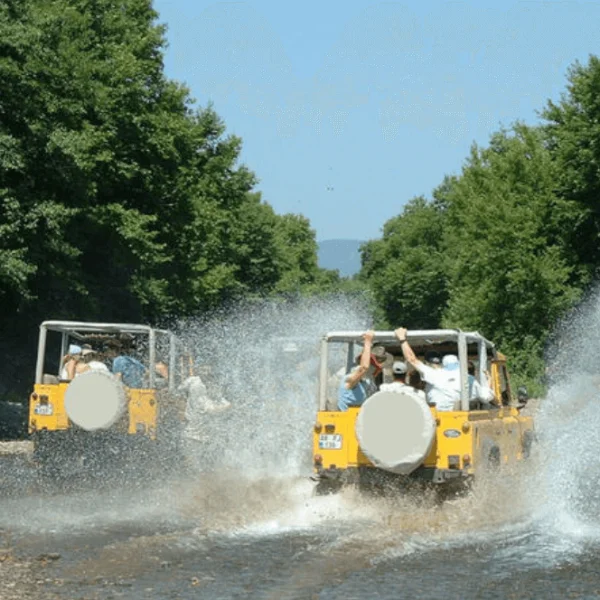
(433,359)
(359,384)
(162,374)
(443,384)
(89,362)
(69,361)
(480,395)
(129,370)
(162,369)
(400,370)
(414,380)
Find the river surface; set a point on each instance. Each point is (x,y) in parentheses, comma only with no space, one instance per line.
(228,537)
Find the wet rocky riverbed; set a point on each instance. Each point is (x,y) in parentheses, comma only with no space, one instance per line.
(234,537)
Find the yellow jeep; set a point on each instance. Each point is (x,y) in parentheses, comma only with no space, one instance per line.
(100,417)
(399,438)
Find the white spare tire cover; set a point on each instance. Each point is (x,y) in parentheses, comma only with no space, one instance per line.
(395,430)
(95,400)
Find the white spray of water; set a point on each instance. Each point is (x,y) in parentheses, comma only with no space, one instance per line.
(256,458)
(547,511)
(564,492)
(264,360)
(254,461)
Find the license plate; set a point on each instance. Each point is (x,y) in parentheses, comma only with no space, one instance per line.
(43,409)
(330,441)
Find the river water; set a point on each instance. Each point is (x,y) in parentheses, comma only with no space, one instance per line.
(249,526)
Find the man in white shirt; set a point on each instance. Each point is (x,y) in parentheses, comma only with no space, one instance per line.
(444,384)
(91,360)
(399,384)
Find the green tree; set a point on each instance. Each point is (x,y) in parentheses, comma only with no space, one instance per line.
(490,252)
(405,268)
(119,199)
(509,271)
(89,120)
(573,136)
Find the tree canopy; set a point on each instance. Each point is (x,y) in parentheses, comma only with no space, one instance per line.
(510,244)
(119,199)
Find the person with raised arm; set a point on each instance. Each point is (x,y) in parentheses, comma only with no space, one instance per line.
(359,384)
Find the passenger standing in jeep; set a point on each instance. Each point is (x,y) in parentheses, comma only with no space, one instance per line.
(444,383)
(359,384)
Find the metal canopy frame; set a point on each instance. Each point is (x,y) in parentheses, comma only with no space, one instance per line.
(77,328)
(423,337)
(419,337)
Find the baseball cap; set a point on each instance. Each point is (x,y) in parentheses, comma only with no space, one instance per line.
(450,362)
(399,367)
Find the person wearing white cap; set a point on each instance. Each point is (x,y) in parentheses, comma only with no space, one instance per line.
(443,388)
(86,360)
(90,362)
(477,391)
(69,362)
(400,370)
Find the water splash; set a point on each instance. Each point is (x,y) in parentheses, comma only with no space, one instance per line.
(264,360)
(564,490)
(255,459)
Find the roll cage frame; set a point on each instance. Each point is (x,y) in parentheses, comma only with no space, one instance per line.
(417,338)
(78,331)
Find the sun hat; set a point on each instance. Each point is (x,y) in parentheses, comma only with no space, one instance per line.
(450,362)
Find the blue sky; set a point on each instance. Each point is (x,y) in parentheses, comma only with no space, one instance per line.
(347,109)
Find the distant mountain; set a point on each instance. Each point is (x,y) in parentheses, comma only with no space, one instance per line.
(342,255)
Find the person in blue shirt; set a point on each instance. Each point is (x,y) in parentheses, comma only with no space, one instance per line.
(129,370)
(357,385)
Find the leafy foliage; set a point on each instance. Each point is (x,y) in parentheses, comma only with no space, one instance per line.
(119,199)
(493,251)
(405,268)
(573,136)
(509,273)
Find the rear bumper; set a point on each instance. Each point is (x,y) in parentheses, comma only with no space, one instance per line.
(366,475)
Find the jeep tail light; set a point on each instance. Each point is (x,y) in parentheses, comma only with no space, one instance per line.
(453,461)
(43,399)
(318,427)
(329,428)
(34,396)
(466,459)
(318,460)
